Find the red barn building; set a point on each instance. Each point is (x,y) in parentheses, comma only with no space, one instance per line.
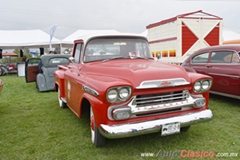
(176,38)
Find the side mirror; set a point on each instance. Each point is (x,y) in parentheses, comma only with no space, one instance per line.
(71,59)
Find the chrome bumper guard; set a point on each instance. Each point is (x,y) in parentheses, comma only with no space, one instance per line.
(140,128)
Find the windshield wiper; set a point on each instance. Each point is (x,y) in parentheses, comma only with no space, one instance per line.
(113,58)
(126,57)
(142,58)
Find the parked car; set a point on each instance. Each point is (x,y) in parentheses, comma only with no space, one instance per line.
(1,86)
(222,64)
(8,68)
(127,92)
(40,70)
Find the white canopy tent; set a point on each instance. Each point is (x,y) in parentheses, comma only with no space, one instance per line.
(68,41)
(19,39)
(230,35)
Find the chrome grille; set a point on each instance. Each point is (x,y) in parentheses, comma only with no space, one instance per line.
(161,98)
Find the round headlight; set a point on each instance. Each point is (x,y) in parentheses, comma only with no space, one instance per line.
(197,86)
(205,85)
(119,94)
(123,93)
(112,95)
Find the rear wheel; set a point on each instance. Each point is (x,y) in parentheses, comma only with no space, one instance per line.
(97,139)
(1,71)
(62,104)
(4,70)
(37,86)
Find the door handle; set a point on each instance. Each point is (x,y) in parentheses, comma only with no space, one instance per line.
(209,66)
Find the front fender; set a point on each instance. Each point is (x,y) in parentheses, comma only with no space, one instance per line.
(189,69)
(59,74)
(99,108)
(102,83)
(59,81)
(41,83)
(197,76)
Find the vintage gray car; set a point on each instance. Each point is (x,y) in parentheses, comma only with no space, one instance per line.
(40,70)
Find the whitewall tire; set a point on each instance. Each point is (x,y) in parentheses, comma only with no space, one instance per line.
(62,104)
(97,139)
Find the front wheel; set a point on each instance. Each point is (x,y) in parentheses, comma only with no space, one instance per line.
(185,129)
(1,71)
(62,104)
(97,139)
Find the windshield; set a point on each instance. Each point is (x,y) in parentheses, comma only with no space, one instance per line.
(114,48)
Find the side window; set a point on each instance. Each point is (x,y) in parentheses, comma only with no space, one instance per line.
(201,58)
(235,58)
(221,57)
(77,53)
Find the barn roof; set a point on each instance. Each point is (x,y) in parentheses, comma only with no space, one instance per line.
(191,15)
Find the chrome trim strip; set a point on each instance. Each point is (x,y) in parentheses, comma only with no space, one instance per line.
(163,97)
(225,94)
(90,90)
(190,101)
(146,127)
(225,75)
(162,83)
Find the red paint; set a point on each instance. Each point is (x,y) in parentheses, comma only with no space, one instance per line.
(213,37)
(188,38)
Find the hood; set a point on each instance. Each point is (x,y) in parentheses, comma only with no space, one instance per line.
(135,71)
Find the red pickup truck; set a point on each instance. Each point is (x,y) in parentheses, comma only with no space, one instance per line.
(127,92)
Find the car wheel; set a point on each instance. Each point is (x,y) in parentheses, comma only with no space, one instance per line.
(185,129)
(1,71)
(4,70)
(62,104)
(37,85)
(97,139)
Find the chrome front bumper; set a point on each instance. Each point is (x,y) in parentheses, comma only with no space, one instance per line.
(140,128)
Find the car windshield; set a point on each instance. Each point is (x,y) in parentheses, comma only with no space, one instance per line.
(116,48)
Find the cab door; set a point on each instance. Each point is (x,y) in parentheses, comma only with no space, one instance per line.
(73,88)
(32,69)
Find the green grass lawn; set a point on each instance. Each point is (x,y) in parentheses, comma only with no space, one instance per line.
(34,127)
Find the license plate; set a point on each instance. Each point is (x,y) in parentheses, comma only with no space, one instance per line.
(170,128)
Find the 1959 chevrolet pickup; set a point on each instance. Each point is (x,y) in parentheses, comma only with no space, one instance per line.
(127,91)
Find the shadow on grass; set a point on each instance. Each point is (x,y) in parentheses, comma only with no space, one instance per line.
(223,99)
